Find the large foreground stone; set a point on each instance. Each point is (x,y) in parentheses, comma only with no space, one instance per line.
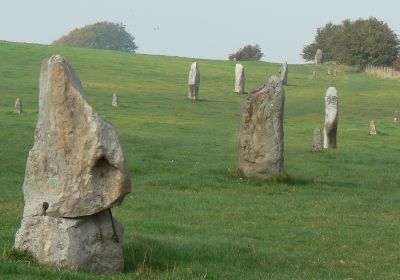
(331,118)
(194,81)
(261,131)
(87,243)
(284,73)
(76,166)
(239,78)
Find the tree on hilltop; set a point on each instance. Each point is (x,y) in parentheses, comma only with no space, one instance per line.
(358,42)
(248,52)
(101,35)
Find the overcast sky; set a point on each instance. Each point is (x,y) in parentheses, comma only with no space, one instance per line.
(201,29)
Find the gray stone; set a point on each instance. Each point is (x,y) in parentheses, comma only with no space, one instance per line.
(115,100)
(18,106)
(284,73)
(318,57)
(261,131)
(239,78)
(194,81)
(331,118)
(372,128)
(317,141)
(329,71)
(87,243)
(76,165)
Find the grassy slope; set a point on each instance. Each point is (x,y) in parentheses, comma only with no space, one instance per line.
(189,215)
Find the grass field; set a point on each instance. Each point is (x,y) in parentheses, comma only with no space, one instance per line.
(190,216)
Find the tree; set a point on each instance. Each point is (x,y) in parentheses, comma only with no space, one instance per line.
(248,52)
(357,42)
(101,35)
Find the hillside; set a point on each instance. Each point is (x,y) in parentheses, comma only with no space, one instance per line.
(190,216)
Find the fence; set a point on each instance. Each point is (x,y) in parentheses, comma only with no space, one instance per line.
(386,72)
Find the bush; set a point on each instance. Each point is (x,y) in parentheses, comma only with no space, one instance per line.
(357,42)
(248,52)
(101,35)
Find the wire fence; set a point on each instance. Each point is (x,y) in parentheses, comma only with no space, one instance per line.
(386,72)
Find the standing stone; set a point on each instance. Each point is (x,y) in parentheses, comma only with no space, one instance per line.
(75,172)
(317,141)
(284,73)
(314,74)
(239,78)
(372,128)
(318,57)
(18,106)
(261,131)
(334,72)
(331,118)
(115,100)
(396,118)
(329,71)
(194,81)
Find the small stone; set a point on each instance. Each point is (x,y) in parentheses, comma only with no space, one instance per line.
(86,243)
(284,73)
(194,81)
(372,128)
(318,57)
(329,71)
(261,131)
(396,118)
(115,100)
(239,78)
(317,141)
(18,106)
(331,118)
(314,74)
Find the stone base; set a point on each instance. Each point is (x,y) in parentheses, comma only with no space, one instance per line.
(86,243)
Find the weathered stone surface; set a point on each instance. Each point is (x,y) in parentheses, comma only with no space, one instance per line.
(115,100)
(194,81)
(18,106)
(331,118)
(76,166)
(318,57)
(396,118)
(317,141)
(239,78)
(372,128)
(284,73)
(88,243)
(261,131)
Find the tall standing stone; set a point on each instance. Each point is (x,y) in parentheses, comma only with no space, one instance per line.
(284,73)
(261,131)
(194,81)
(372,128)
(317,141)
(239,78)
(115,100)
(331,118)
(318,57)
(18,106)
(75,173)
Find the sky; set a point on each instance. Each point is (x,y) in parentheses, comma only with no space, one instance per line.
(200,29)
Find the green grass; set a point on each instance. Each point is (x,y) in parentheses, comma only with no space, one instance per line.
(190,216)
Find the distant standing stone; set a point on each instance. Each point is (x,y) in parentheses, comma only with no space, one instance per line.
(239,78)
(284,73)
(194,81)
(314,74)
(18,106)
(396,118)
(115,100)
(318,57)
(317,141)
(329,71)
(372,128)
(331,118)
(261,131)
